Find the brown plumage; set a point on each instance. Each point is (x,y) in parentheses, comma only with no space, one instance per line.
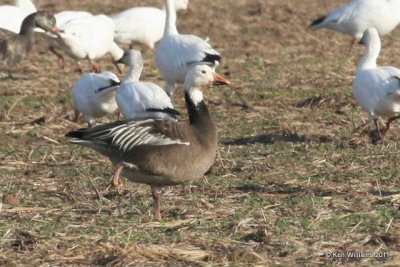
(14,47)
(161,152)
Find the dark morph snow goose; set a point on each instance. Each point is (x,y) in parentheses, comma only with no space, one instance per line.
(177,53)
(161,152)
(14,47)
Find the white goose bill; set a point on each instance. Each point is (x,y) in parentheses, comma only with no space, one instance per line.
(220,80)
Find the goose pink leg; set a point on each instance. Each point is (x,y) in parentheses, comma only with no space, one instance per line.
(390,120)
(115,177)
(155,192)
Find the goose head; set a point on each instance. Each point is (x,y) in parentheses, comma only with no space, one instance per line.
(369,37)
(372,43)
(46,21)
(131,58)
(199,77)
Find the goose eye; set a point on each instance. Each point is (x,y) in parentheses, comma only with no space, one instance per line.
(203,71)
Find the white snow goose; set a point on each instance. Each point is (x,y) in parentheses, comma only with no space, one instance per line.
(11,17)
(93,95)
(26,5)
(377,89)
(62,18)
(177,53)
(357,16)
(138,99)
(142,24)
(161,152)
(89,37)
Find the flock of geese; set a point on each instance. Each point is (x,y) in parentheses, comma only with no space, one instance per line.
(150,145)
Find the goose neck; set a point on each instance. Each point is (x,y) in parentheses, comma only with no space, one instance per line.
(170,19)
(116,51)
(370,56)
(27,26)
(197,109)
(133,74)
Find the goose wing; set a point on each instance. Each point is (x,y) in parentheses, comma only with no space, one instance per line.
(182,50)
(6,35)
(125,136)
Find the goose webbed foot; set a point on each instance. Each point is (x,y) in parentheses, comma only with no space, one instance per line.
(390,120)
(91,123)
(8,75)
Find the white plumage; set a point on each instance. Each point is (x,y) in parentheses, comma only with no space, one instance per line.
(357,16)
(26,5)
(89,100)
(377,89)
(89,37)
(134,98)
(62,18)
(142,24)
(11,17)
(65,16)
(177,53)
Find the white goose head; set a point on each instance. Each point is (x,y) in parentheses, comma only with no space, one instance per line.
(198,77)
(373,46)
(132,58)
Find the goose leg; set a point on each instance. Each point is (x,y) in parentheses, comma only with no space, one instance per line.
(61,60)
(390,120)
(169,88)
(353,41)
(78,116)
(155,192)
(78,67)
(378,128)
(115,177)
(93,66)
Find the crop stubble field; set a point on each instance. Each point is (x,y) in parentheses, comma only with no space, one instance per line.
(296,175)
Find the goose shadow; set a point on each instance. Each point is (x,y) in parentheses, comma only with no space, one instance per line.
(285,189)
(274,138)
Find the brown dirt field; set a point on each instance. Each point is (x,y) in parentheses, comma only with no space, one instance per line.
(296,176)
